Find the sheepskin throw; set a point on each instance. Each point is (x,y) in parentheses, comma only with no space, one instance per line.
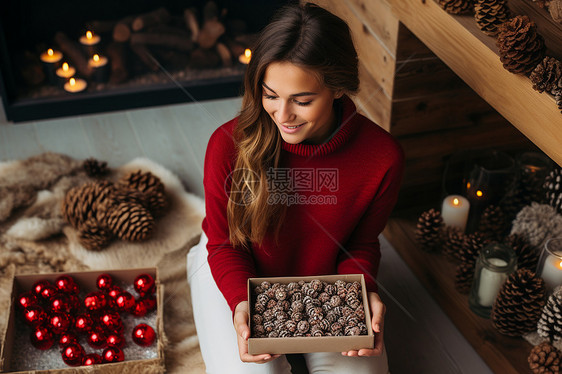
(35,238)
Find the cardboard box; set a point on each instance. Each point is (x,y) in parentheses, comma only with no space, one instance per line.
(87,282)
(311,344)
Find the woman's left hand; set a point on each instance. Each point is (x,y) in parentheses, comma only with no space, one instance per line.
(378,310)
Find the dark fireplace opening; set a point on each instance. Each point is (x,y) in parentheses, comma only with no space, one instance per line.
(64,57)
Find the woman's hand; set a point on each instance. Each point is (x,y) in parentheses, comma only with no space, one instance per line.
(377,321)
(241,315)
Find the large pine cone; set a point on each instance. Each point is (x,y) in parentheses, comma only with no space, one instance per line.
(471,247)
(519,303)
(542,3)
(453,239)
(457,6)
(131,222)
(544,359)
(492,223)
(550,322)
(463,277)
(520,45)
(553,189)
(94,236)
(153,190)
(490,14)
(86,201)
(428,232)
(527,255)
(547,76)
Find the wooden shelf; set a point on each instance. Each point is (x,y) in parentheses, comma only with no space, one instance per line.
(473,56)
(503,354)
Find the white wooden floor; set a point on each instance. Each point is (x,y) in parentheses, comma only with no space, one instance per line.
(420,339)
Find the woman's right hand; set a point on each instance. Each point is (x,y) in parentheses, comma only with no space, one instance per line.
(241,316)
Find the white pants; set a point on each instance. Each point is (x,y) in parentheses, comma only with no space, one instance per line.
(217,337)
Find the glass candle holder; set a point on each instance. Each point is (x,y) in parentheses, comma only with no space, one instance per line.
(549,267)
(495,263)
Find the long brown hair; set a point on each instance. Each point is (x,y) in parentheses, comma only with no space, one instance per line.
(310,37)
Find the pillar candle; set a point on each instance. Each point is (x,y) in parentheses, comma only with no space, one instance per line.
(75,85)
(490,283)
(51,60)
(455,211)
(90,42)
(100,68)
(64,73)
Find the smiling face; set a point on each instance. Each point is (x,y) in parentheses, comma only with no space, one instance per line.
(299,104)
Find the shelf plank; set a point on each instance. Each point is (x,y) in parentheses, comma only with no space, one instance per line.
(473,56)
(503,354)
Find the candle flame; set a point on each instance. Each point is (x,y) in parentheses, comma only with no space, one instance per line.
(72,81)
(89,34)
(468,185)
(479,193)
(65,66)
(560,265)
(456,202)
(96,57)
(50,52)
(247,53)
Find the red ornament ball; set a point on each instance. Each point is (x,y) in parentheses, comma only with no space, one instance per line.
(35,315)
(60,322)
(67,284)
(27,299)
(83,323)
(73,354)
(114,291)
(48,291)
(144,284)
(140,309)
(60,303)
(97,339)
(111,321)
(113,354)
(42,338)
(115,340)
(125,302)
(66,339)
(91,359)
(104,282)
(150,303)
(95,301)
(38,286)
(143,335)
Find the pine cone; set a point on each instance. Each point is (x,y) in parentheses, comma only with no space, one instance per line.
(519,303)
(428,233)
(544,359)
(537,223)
(542,3)
(130,222)
(547,76)
(471,247)
(555,9)
(553,188)
(453,239)
(94,236)
(457,6)
(152,188)
(521,47)
(527,255)
(492,223)
(95,168)
(83,202)
(464,276)
(490,14)
(550,322)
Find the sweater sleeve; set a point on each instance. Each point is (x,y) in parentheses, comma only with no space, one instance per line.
(361,254)
(230,266)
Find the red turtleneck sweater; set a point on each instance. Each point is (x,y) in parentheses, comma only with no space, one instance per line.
(346,190)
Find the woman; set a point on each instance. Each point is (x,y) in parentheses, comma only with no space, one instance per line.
(299,184)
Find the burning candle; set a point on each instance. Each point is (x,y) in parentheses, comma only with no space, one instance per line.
(491,282)
(65,72)
(246,57)
(51,59)
(550,263)
(100,68)
(75,85)
(455,211)
(90,42)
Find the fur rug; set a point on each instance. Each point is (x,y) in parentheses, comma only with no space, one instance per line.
(35,239)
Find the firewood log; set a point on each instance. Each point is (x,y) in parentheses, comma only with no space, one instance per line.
(204,58)
(122,29)
(74,53)
(145,56)
(181,43)
(158,16)
(211,31)
(225,55)
(101,27)
(191,23)
(117,57)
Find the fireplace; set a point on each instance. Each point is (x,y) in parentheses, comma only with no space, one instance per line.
(122,54)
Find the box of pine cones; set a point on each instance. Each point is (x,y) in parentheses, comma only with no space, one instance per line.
(328,313)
